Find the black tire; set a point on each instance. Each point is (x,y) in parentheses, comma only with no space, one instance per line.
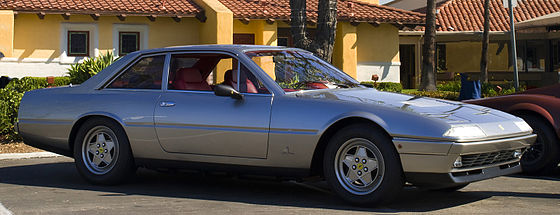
(120,168)
(386,188)
(544,155)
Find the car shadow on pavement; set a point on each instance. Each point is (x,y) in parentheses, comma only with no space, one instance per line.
(233,189)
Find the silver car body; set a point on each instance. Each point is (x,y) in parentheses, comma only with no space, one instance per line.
(280,131)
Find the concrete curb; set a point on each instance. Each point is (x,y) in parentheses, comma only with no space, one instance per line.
(17,156)
(4,210)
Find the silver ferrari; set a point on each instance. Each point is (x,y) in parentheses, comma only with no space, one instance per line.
(268,110)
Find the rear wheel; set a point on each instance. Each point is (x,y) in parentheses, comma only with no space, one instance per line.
(544,154)
(102,152)
(362,167)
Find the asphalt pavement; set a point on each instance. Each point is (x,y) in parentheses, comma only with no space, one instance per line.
(53,186)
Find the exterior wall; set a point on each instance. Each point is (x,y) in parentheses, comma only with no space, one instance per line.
(265,34)
(378,52)
(465,57)
(6,32)
(345,48)
(43,41)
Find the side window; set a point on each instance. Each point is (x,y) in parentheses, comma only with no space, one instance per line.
(197,72)
(243,80)
(145,74)
(190,72)
(248,83)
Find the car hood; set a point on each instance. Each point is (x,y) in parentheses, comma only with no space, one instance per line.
(490,120)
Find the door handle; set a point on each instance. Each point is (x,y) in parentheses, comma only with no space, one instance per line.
(167,104)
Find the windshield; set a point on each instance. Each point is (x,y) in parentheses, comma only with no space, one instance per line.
(299,70)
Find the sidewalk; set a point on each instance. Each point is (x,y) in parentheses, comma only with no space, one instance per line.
(16,156)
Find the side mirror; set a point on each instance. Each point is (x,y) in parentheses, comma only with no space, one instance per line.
(226,90)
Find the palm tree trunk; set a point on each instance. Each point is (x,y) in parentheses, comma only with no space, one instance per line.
(326,30)
(428,74)
(485,43)
(323,43)
(298,23)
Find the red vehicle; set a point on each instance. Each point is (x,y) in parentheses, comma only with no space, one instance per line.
(540,108)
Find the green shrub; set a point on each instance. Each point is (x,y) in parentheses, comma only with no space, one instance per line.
(449,95)
(62,81)
(385,86)
(81,72)
(453,86)
(10,97)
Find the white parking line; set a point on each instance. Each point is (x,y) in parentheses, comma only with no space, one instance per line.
(15,156)
(4,210)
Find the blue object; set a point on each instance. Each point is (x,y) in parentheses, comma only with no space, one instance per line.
(469,89)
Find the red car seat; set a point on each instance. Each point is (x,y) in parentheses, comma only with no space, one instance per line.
(190,79)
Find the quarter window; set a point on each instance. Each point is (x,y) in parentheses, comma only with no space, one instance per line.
(78,43)
(128,42)
(145,74)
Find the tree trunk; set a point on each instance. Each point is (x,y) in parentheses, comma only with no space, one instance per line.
(326,30)
(485,43)
(323,43)
(428,74)
(298,23)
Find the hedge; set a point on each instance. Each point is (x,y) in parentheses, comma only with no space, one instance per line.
(385,86)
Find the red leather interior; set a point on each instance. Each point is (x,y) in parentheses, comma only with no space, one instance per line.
(231,81)
(190,79)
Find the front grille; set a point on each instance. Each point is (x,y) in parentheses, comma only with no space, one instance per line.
(483,159)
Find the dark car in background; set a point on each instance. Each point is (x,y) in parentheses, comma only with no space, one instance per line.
(540,108)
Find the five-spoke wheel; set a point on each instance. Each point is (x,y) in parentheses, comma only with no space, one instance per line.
(362,166)
(99,150)
(102,152)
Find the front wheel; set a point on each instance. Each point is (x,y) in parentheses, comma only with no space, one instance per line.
(362,167)
(544,154)
(102,152)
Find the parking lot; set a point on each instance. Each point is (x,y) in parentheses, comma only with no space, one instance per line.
(52,186)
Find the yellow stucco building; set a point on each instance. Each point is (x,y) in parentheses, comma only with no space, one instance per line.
(459,43)
(45,38)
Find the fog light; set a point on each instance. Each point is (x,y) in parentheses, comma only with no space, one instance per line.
(517,153)
(458,162)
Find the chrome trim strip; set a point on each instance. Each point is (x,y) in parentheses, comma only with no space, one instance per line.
(45,121)
(484,166)
(212,127)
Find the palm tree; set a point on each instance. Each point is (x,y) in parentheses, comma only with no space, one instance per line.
(323,43)
(428,74)
(485,42)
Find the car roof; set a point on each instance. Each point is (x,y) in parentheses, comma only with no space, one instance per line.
(229,48)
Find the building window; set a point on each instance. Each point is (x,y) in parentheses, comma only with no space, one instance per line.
(78,43)
(128,42)
(441,53)
(245,39)
(283,41)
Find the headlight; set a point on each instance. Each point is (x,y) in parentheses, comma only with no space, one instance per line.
(465,132)
(523,126)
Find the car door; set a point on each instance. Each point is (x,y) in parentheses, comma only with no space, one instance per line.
(131,97)
(190,119)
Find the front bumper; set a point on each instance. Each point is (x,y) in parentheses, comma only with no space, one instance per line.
(431,163)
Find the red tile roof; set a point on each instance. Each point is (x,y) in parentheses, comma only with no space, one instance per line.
(347,10)
(138,7)
(467,15)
